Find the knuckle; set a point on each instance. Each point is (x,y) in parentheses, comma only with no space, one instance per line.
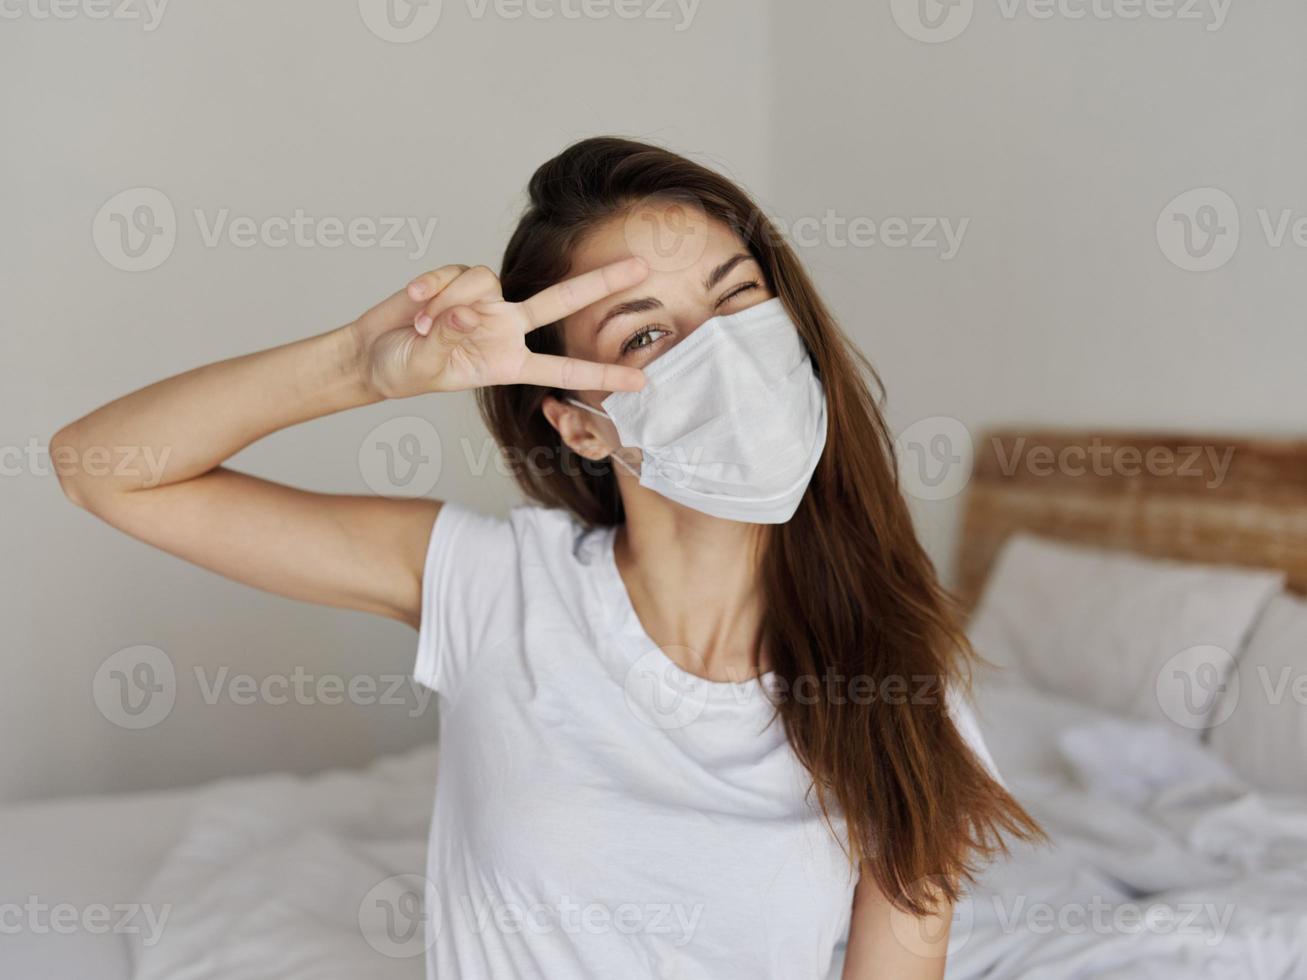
(437,280)
(482,279)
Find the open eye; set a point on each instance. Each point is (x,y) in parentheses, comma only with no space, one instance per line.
(644,337)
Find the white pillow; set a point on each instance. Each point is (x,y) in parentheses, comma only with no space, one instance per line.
(1144,638)
(1264,737)
(1021,727)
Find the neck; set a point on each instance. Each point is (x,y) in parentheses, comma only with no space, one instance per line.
(694,582)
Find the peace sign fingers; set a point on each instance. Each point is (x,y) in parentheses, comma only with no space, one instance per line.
(572,374)
(562,299)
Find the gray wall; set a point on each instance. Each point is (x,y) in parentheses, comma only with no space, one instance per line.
(1061,141)
(261,109)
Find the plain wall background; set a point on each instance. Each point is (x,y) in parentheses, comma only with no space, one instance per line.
(262,108)
(1059,141)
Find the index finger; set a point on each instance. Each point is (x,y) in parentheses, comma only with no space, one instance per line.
(561,299)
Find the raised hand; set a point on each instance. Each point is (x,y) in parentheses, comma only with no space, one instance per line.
(451,330)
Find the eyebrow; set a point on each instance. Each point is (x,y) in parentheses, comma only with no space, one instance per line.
(647,304)
(724,270)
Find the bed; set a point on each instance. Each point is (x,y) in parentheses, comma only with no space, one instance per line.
(1106,574)
(1154,819)
(249,877)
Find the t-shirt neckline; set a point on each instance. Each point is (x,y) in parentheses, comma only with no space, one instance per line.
(628,621)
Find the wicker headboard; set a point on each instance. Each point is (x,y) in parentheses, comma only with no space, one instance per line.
(1205,499)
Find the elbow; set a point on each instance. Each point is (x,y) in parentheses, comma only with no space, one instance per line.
(63,458)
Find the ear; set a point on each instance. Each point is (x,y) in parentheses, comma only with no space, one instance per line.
(580,431)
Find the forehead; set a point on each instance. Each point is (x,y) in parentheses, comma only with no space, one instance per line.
(680,244)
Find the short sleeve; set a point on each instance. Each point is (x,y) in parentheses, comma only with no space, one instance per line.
(467,591)
(964,719)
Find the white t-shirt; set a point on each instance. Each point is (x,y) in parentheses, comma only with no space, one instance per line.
(601,812)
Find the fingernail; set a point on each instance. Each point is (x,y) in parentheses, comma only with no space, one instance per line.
(423,324)
(417,289)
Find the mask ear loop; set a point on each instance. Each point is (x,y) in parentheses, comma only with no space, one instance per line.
(604,415)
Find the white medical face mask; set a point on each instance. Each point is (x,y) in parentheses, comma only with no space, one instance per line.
(731,421)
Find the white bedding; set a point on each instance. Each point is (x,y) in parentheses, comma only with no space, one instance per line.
(266,877)
(1164,864)
(80,854)
(287,877)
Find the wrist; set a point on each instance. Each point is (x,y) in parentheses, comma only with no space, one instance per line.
(346,364)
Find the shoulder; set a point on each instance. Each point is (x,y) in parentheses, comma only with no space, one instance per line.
(554,542)
(530,533)
(482,575)
(534,524)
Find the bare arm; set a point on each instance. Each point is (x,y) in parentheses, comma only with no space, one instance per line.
(888,944)
(357,552)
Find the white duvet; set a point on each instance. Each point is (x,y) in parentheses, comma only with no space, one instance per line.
(285,877)
(1163,866)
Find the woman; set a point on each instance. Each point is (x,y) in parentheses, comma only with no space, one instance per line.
(698,710)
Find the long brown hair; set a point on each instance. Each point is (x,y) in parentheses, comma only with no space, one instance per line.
(850,593)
